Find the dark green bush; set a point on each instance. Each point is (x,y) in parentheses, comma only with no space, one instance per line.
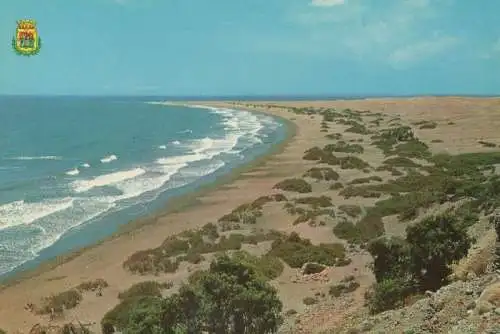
(296,251)
(351,210)
(296,185)
(323,173)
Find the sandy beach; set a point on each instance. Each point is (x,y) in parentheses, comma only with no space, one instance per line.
(460,124)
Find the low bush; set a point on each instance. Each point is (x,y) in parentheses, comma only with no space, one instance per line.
(267,267)
(143,289)
(336,186)
(351,210)
(310,301)
(314,153)
(348,231)
(316,202)
(370,226)
(343,287)
(400,162)
(352,162)
(322,173)
(358,128)
(359,192)
(64,300)
(334,136)
(487,144)
(296,251)
(368,179)
(344,148)
(296,185)
(92,285)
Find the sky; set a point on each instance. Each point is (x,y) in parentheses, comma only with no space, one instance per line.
(254,47)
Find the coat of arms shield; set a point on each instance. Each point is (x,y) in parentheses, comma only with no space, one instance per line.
(26,41)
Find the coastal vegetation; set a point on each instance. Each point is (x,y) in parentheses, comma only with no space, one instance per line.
(230,297)
(295,185)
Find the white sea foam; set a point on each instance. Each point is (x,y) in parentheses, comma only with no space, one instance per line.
(109,159)
(176,142)
(73,172)
(106,180)
(44,157)
(86,165)
(21,212)
(162,147)
(186,131)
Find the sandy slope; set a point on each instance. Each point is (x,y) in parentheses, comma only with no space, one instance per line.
(461,123)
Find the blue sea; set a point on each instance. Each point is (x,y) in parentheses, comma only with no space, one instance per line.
(73,169)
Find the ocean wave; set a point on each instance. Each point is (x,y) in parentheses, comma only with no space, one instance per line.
(80,186)
(73,172)
(186,131)
(21,212)
(85,165)
(109,158)
(162,147)
(43,157)
(176,142)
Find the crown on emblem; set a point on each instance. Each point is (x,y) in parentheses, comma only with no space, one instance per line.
(26,24)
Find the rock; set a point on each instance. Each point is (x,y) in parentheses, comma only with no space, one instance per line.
(312,268)
(469,292)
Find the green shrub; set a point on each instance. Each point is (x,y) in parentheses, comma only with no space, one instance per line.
(210,230)
(267,267)
(92,285)
(150,261)
(370,226)
(297,185)
(344,148)
(64,300)
(142,289)
(310,301)
(334,136)
(359,192)
(426,125)
(296,251)
(358,128)
(487,144)
(400,162)
(314,153)
(321,201)
(351,162)
(343,287)
(323,173)
(119,318)
(351,210)
(388,294)
(366,179)
(348,231)
(336,186)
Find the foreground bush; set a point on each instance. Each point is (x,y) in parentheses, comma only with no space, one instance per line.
(228,298)
(419,263)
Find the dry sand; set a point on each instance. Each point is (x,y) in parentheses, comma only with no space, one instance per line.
(462,122)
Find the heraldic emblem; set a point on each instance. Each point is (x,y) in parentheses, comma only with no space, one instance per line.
(26,42)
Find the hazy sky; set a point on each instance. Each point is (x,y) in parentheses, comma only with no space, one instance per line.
(249,47)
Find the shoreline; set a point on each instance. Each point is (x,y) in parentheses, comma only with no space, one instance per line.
(175,204)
